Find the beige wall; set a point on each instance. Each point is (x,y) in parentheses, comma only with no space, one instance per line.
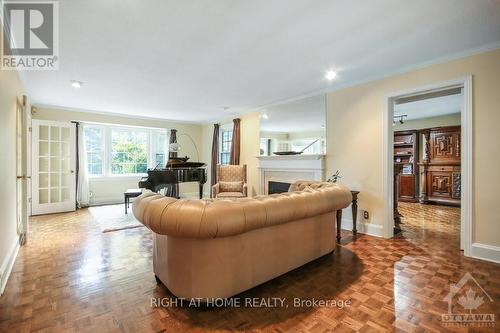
(109,190)
(207,132)
(356,144)
(250,149)
(10,89)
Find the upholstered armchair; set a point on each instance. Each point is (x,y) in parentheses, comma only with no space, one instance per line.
(232,181)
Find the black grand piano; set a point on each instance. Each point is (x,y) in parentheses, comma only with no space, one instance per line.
(173,174)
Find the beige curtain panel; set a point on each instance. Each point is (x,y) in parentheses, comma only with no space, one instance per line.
(235,143)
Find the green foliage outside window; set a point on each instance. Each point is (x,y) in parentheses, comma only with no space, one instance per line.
(129,152)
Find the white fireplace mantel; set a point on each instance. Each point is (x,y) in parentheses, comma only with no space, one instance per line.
(290,168)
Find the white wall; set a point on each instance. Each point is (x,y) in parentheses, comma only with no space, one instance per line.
(110,190)
(10,89)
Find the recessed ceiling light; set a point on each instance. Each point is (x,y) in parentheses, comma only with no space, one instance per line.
(330,75)
(265,116)
(76,84)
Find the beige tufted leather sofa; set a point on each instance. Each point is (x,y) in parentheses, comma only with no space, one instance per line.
(217,248)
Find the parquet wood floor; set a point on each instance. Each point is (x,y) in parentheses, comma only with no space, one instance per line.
(73,278)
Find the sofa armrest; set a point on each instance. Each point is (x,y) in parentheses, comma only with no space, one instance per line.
(215,190)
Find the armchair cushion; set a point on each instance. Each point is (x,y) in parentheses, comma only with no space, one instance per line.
(231,186)
(223,195)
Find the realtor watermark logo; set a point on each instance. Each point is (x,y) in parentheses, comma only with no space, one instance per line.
(31,35)
(250,302)
(464,304)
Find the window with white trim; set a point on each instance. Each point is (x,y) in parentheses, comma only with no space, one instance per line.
(225,146)
(95,150)
(160,149)
(122,150)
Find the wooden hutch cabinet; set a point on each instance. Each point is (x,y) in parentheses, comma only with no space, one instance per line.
(406,155)
(440,169)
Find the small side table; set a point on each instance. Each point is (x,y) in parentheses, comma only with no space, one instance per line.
(131,193)
(354,206)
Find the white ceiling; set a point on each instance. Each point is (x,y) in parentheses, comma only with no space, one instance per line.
(307,114)
(432,107)
(186,60)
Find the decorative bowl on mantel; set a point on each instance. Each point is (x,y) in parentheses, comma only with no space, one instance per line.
(287,152)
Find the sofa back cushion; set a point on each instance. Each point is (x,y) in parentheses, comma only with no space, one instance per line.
(302,185)
(223,218)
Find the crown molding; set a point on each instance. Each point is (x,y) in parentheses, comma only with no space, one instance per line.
(387,74)
(326,90)
(113,114)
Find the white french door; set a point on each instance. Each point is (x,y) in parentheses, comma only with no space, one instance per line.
(22,168)
(54,164)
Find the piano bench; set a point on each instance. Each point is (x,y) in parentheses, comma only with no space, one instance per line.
(131,193)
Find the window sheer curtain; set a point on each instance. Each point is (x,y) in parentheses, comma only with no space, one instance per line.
(82,190)
(215,156)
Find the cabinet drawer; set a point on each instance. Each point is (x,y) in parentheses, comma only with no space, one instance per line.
(441,184)
(444,168)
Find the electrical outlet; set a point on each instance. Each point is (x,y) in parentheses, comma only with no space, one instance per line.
(366,215)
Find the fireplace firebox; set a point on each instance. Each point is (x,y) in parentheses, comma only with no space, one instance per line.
(277,187)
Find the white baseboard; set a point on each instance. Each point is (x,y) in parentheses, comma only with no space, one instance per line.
(7,264)
(485,252)
(363,228)
(106,201)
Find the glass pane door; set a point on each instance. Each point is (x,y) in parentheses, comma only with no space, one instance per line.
(54,151)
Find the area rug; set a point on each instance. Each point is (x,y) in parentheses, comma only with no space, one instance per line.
(113,218)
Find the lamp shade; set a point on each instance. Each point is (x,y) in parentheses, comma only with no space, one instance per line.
(174,147)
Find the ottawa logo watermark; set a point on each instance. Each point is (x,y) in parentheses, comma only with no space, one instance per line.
(464,304)
(31,35)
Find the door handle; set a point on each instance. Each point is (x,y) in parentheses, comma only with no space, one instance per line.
(23,177)
(72,171)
